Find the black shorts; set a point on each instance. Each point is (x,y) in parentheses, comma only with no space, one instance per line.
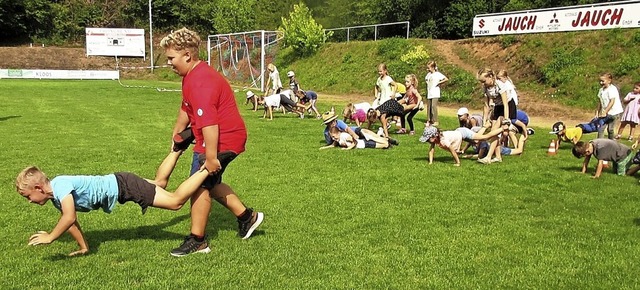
(287,103)
(498,111)
(369,144)
(225,158)
(135,188)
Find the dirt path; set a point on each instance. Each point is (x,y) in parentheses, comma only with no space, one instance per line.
(542,112)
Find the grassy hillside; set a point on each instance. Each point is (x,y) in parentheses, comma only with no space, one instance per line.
(351,68)
(562,67)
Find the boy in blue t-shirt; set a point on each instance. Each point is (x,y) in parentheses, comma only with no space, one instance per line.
(83,193)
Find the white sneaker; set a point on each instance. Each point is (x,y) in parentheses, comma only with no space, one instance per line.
(496,159)
(484,160)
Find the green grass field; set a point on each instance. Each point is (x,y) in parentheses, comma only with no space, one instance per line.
(355,219)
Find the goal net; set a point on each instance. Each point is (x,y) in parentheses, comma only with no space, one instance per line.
(243,57)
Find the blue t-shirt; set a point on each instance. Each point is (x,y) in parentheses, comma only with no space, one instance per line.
(89,192)
(342,127)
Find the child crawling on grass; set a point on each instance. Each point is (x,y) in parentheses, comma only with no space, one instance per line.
(73,193)
(451,140)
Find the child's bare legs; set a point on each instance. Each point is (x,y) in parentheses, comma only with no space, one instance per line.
(623,124)
(314,108)
(370,135)
(519,147)
(492,133)
(165,169)
(632,129)
(175,201)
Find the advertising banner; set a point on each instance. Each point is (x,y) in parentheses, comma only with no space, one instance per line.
(572,18)
(115,42)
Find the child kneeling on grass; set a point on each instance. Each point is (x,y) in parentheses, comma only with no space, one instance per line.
(85,193)
(604,150)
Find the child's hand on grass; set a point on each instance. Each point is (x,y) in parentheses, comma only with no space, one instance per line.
(40,238)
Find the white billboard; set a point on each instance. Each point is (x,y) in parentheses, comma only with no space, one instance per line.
(115,42)
(59,74)
(571,18)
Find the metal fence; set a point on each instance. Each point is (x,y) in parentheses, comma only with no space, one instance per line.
(367,32)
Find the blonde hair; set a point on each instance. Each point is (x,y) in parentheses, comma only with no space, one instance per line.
(432,64)
(271,67)
(503,74)
(28,177)
(182,39)
(607,75)
(412,80)
(383,66)
(485,73)
(347,111)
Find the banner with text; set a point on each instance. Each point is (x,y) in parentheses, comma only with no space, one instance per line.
(115,42)
(572,18)
(59,74)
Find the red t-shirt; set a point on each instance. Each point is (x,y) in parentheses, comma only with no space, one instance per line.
(208,100)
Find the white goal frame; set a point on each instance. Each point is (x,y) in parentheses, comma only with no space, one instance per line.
(264,38)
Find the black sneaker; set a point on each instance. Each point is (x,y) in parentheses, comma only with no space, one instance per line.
(245,229)
(182,140)
(189,246)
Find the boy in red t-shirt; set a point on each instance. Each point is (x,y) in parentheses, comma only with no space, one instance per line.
(210,108)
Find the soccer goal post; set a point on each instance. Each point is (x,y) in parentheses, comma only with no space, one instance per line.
(242,57)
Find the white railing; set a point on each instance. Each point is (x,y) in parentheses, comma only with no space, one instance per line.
(375,26)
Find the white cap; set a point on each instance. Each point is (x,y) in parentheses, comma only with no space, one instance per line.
(290,73)
(250,94)
(463,111)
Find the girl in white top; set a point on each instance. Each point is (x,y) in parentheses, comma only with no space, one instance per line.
(503,76)
(434,79)
(274,79)
(499,101)
(385,88)
(609,105)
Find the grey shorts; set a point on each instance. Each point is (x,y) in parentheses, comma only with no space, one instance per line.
(134,188)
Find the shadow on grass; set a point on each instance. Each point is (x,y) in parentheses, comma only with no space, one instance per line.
(8,117)
(154,232)
(576,169)
(636,221)
(437,159)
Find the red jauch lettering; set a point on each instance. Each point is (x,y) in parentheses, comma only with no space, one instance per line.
(518,23)
(598,18)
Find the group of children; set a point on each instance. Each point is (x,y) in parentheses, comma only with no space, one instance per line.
(500,116)
(294,99)
(608,112)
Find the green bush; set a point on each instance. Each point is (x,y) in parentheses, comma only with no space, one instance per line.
(564,65)
(626,65)
(508,40)
(301,32)
(461,87)
(393,48)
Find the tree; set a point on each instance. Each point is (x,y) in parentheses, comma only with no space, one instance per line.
(301,32)
(234,16)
